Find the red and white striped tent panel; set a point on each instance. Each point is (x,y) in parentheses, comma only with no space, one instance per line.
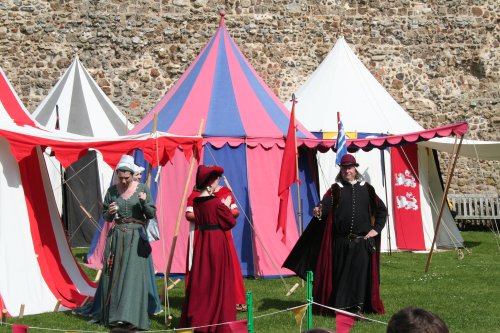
(38,268)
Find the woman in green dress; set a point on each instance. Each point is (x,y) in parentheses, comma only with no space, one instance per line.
(123,287)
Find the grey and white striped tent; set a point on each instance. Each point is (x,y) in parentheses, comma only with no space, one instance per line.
(76,104)
(84,108)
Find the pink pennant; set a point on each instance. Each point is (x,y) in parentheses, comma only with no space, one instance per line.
(344,322)
(239,326)
(18,328)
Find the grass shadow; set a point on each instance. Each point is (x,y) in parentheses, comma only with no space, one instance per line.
(276,304)
(469,244)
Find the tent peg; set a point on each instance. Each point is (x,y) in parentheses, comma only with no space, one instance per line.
(173,284)
(58,303)
(3,319)
(98,276)
(292,290)
(85,301)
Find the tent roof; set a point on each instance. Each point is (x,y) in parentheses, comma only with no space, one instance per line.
(223,89)
(12,110)
(343,84)
(476,149)
(84,108)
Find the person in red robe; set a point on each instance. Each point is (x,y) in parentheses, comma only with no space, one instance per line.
(210,291)
(221,192)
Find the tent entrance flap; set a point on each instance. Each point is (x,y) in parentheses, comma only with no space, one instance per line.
(83,200)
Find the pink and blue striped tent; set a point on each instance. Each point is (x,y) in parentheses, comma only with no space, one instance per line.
(244,129)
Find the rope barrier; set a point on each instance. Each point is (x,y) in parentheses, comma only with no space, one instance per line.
(349,313)
(220,324)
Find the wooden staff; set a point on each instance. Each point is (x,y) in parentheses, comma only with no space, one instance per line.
(451,168)
(179,215)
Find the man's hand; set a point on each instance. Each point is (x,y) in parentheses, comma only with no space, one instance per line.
(317,211)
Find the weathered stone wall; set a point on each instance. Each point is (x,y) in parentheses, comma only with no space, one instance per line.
(438,58)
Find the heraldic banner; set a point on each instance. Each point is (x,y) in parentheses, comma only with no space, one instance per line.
(406,196)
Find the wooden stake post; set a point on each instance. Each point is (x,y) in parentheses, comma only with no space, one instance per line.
(451,168)
(179,217)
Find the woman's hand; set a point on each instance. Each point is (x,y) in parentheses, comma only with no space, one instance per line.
(113,208)
(227,201)
(142,196)
(370,234)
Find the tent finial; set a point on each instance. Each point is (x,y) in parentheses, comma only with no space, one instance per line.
(222,13)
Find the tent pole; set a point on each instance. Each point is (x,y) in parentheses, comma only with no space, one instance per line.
(451,168)
(254,235)
(299,199)
(299,205)
(179,215)
(150,167)
(384,180)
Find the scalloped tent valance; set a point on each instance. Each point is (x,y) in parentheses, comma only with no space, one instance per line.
(353,145)
(70,148)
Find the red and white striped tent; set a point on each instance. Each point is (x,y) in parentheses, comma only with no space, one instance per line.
(38,267)
(38,270)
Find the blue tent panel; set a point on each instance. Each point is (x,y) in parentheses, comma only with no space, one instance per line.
(233,160)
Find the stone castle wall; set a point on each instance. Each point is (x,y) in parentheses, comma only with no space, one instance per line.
(439,59)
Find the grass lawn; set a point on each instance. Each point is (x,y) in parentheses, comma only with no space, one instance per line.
(465,293)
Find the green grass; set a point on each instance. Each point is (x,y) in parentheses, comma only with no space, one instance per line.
(465,293)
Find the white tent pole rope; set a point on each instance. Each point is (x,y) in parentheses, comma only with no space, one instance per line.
(178,221)
(321,169)
(90,218)
(247,219)
(494,226)
(76,173)
(166,299)
(86,211)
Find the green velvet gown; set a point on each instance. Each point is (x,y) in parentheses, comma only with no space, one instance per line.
(124,282)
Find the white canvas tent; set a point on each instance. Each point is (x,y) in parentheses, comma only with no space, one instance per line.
(83,109)
(37,266)
(343,84)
